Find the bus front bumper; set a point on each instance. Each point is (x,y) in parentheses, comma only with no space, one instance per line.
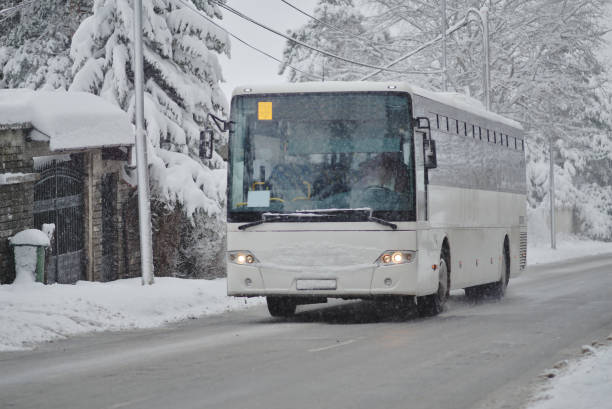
(358,281)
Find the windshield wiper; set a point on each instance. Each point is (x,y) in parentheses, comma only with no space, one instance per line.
(383,222)
(276,217)
(317,213)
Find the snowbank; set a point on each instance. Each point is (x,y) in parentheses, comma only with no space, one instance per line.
(71,120)
(568,246)
(38,313)
(583,384)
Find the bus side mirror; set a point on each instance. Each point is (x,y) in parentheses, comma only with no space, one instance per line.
(423,126)
(422,123)
(206,144)
(429,149)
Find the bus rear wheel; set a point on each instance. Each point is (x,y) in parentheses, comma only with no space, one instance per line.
(430,305)
(281,306)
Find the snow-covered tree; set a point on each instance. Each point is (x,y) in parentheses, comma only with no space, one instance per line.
(182,76)
(338,29)
(35,43)
(182,73)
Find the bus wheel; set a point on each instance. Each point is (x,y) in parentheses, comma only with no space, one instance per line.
(281,306)
(430,305)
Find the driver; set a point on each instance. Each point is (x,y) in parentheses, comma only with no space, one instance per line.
(376,171)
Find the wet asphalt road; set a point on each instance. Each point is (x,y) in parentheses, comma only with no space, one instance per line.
(339,355)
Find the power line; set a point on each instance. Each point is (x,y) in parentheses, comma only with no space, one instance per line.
(14,9)
(199,13)
(247,18)
(451,30)
(318,20)
(346,33)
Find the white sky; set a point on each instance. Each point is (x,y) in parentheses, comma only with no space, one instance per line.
(247,66)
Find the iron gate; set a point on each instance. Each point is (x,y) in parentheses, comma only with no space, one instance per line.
(58,199)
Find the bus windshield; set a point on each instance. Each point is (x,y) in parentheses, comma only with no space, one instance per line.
(299,152)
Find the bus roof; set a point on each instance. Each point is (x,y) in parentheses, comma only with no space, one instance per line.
(456,100)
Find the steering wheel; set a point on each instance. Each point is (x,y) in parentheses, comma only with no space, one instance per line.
(377,187)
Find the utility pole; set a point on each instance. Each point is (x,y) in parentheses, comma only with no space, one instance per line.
(483,19)
(487,57)
(144,205)
(551,194)
(444,62)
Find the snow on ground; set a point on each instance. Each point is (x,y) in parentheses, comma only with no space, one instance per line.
(567,247)
(586,383)
(34,313)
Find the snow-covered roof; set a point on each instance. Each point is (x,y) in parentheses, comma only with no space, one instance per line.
(453,99)
(68,120)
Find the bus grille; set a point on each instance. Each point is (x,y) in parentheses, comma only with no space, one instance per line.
(523,250)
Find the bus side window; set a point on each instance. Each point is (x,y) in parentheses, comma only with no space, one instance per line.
(437,121)
(515,145)
(488,136)
(480,133)
(464,129)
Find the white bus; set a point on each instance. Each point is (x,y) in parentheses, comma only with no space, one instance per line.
(371,190)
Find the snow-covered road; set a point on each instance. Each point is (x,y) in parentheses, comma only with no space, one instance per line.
(471,356)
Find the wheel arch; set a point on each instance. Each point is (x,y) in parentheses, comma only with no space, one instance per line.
(506,254)
(445,251)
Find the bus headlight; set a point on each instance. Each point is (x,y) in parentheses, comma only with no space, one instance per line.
(242,257)
(393,257)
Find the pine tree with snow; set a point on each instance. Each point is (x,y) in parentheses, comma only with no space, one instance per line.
(35,42)
(182,73)
(182,76)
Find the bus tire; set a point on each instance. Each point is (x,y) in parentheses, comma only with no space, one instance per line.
(431,305)
(281,306)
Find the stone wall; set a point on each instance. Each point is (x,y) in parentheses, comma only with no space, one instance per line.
(16,201)
(16,195)
(121,257)
(13,157)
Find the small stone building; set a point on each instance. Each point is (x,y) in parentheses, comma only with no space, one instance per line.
(63,160)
